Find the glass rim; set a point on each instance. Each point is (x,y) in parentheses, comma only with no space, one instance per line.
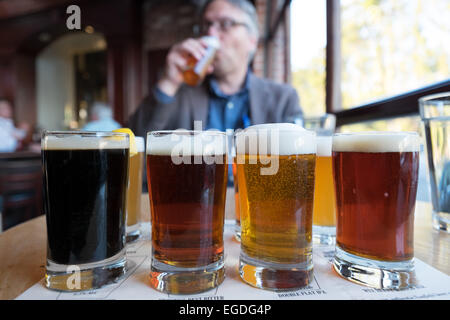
(185,131)
(319,117)
(84,140)
(434,96)
(85,133)
(377,142)
(374,133)
(305,132)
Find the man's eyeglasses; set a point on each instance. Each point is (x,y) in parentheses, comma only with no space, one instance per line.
(223,25)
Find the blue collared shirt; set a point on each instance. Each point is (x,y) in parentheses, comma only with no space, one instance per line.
(224,111)
(228,111)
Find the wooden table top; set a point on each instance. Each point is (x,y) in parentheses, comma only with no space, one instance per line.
(23,248)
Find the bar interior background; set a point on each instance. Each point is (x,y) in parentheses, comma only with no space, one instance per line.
(52,75)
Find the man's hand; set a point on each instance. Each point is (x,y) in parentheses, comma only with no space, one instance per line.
(176,63)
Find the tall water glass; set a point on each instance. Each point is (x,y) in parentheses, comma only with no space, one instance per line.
(435,114)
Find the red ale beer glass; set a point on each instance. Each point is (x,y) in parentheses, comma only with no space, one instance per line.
(187,181)
(376,177)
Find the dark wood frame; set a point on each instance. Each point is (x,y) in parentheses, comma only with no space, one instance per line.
(404,104)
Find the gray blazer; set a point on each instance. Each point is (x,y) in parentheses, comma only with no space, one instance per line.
(270,102)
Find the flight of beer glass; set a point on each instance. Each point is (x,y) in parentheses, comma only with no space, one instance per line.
(195,70)
(85,182)
(324,214)
(376,175)
(276,205)
(134,192)
(92,190)
(187,182)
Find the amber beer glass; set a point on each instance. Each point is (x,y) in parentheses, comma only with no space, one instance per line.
(376,177)
(237,210)
(195,71)
(187,178)
(134,191)
(85,181)
(324,221)
(232,174)
(324,215)
(275,171)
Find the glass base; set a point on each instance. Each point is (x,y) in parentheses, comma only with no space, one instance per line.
(86,276)
(133,232)
(374,273)
(133,236)
(175,280)
(275,276)
(324,235)
(441,221)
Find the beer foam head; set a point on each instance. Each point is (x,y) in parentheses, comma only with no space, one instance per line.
(324,144)
(376,142)
(140,144)
(276,139)
(186,143)
(82,141)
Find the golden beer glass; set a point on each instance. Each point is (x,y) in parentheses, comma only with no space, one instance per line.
(134,191)
(237,209)
(232,177)
(324,216)
(275,172)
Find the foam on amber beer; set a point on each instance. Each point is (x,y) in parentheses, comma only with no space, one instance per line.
(376,142)
(186,147)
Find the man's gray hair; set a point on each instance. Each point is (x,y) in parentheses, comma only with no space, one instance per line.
(245,6)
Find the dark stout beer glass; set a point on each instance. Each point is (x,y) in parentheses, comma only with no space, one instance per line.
(85,181)
(376,177)
(276,173)
(187,177)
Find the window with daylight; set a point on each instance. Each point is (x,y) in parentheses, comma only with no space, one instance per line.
(391,47)
(367,60)
(308,42)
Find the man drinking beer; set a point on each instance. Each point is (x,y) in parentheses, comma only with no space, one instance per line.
(223,95)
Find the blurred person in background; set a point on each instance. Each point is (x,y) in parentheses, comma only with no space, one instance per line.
(231,96)
(11,138)
(101,118)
